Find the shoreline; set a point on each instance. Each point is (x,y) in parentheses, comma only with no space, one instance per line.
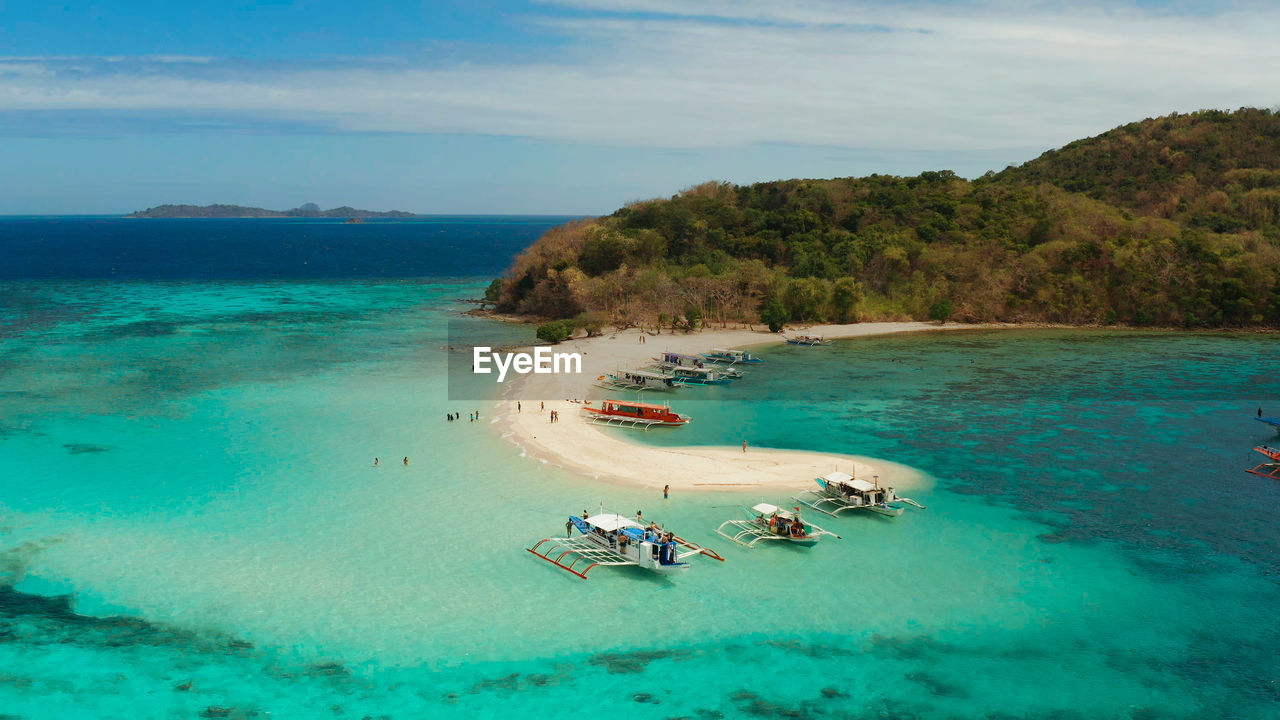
(591,451)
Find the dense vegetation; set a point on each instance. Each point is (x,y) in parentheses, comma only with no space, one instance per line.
(240,211)
(1171,221)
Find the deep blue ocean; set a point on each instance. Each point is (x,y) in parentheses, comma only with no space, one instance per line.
(94,248)
(191,525)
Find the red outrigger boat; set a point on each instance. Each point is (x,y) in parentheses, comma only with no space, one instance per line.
(1268,469)
(624,413)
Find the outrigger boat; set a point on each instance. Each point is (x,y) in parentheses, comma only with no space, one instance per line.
(636,380)
(698,376)
(733,357)
(675,359)
(611,539)
(671,361)
(769,522)
(1268,469)
(807,340)
(623,413)
(840,492)
(1272,421)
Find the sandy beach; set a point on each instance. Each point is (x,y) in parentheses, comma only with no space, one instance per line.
(579,446)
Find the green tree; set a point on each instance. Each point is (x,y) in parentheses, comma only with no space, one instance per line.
(555,331)
(692,318)
(941,310)
(774,314)
(845,296)
(493,293)
(592,322)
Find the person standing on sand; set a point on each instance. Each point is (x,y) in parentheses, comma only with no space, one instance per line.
(542,405)
(744,446)
(666,491)
(518,406)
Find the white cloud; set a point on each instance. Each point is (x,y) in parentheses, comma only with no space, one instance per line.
(735,72)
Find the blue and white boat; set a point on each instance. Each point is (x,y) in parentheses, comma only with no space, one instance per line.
(612,539)
(1274,422)
(698,376)
(806,340)
(636,380)
(733,357)
(840,492)
(671,361)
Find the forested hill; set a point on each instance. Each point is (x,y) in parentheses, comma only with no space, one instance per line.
(1169,222)
(1210,169)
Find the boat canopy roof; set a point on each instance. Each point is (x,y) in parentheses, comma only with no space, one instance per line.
(609,522)
(682,356)
(765,508)
(644,373)
(848,480)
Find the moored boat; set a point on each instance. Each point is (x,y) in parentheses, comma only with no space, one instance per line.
(623,413)
(671,361)
(770,522)
(1269,469)
(1274,422)
(636,380)
(733,357)
(840,492)
(1270,452)
(806,340)
(698,376)
(612,539)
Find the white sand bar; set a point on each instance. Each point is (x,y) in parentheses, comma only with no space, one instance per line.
(580,446)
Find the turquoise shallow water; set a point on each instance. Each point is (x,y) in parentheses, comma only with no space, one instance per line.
(192,523)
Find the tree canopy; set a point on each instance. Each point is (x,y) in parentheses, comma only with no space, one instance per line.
(1170,221)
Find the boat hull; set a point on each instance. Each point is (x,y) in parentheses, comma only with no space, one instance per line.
(1271,421)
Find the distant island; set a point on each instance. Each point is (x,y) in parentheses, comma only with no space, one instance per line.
(1169,222)
(309,210)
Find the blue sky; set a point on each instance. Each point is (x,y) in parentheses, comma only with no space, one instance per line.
(577,106)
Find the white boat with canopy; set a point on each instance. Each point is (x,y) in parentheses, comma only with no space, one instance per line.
(733,357)
(673,363)
(807,340)
(840,492)
(612,539)
(770,522)
(637,380)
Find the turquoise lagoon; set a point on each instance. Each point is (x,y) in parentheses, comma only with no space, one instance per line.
(193,526)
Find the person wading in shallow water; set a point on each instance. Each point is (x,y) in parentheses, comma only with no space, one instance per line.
(666,491)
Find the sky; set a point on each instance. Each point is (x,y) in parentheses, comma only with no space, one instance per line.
(579,106)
